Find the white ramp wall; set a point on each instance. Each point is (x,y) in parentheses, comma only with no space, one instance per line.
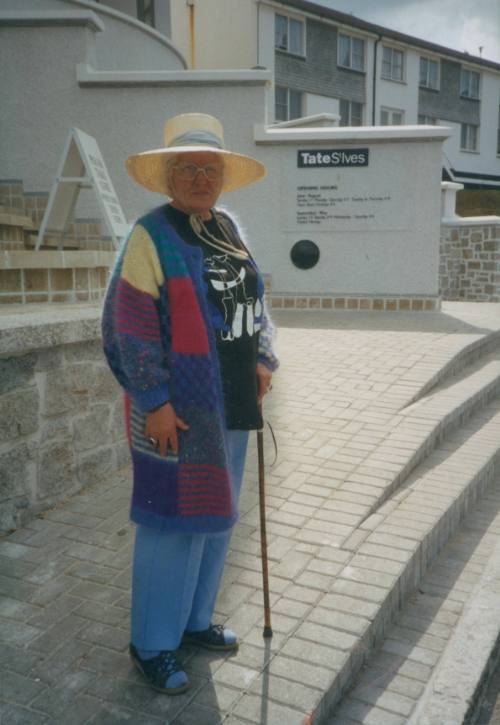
(369,198)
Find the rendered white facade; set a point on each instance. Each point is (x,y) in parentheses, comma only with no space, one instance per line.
(398,95)
(56,77)
(221,30)
(252,23)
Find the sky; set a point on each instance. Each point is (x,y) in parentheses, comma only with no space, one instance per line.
(463,25)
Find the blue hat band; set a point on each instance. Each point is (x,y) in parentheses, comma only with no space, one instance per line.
(204,138)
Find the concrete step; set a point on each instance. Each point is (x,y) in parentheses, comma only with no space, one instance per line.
(432,665)
(467,356)
(413,434)
(397,548)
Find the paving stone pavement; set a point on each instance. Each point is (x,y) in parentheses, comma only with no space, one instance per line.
(64,578)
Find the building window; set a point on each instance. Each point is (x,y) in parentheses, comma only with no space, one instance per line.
(289,34)
(429,73)
(427,120)
(468,137)
(146,12)
(469,84)
(351,52)
(392,64)
(391,117)
(351,113)
(287,104)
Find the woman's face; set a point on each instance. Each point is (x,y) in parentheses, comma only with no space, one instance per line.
(199,194)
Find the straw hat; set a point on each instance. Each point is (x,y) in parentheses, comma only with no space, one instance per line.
(190,132)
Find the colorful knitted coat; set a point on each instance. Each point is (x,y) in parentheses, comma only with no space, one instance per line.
(160,345)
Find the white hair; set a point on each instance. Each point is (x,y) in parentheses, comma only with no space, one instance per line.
(170,164)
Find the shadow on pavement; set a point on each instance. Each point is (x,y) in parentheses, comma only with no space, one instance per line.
(425,612)
(398,321)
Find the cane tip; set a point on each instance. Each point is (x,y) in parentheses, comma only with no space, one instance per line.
(268,633)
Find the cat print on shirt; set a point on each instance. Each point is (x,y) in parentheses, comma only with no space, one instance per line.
(241,311)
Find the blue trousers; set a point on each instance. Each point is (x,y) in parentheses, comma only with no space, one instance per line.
(176,576)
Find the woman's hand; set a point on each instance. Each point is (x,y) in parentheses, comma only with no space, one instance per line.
(264,376)
(161,425)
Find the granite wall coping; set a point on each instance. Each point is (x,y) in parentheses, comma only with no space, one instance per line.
(23,329)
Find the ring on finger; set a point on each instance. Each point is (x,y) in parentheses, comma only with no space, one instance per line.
(153,441)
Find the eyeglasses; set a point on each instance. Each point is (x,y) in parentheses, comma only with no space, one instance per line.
(191,171)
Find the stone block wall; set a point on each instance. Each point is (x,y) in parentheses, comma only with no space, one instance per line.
(470,262)
(78,272)
(80,234)
(353,303)
(12,194)
(32,285)
(61,423)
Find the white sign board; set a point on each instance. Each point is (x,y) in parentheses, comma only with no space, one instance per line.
(82,167)
(348,211)
(335,190)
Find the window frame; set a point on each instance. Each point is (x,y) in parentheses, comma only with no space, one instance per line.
(429,120)
(288,103)
(466,127)
(387,109)
(289,18)
(351,38)
(471,73)
(403,65)
(350,102)
(427,84)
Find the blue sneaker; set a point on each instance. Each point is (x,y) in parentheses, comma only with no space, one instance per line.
(216,637)
(162,672)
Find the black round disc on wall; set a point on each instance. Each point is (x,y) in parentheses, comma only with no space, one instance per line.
(305,254)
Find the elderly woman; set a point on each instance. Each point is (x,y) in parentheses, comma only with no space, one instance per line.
(187,336)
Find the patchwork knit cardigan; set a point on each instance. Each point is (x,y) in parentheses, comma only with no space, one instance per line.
(160,345)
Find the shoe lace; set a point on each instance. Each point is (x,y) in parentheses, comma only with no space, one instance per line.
(217,629)
(167,664)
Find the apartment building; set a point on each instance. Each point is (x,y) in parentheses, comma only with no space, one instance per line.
(325,61)
(370,75)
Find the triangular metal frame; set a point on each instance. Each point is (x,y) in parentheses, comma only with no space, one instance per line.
(81,167)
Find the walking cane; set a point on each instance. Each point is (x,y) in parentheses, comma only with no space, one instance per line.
(268,632)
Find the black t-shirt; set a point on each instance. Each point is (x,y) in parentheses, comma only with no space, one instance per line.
(233,302)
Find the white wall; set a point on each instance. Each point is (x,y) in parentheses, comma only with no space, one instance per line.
(490,103)
(265,51)
(162,12)
(454,157)
(39,67)
(471,161)
(314,104)
(395,253)
(129,7)
(395,94)
(225,32)
(485,159)
(125,44)
(162,17)
(369,61)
